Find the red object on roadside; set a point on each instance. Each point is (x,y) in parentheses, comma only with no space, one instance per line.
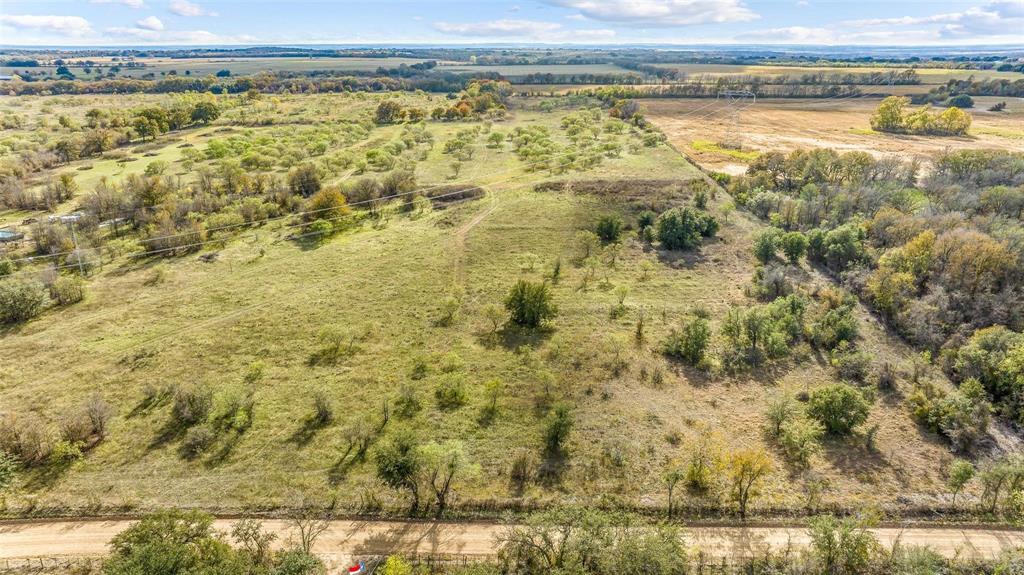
(359,568)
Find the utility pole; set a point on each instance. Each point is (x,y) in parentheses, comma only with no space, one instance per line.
(78,253)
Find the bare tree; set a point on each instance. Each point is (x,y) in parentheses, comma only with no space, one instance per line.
(308,523)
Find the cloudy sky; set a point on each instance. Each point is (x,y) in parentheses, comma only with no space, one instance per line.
(179,22)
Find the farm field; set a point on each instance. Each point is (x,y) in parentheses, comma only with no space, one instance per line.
(927,75)
(250,315)
(699,126)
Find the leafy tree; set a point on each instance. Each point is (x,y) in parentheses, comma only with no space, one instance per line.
(20,300)
(171,543)
(327,205)
(609,228)
(529,304)
(442,463)
(557,428)
(304,180)
(799,439)
(960,473)
(794,245)
(495,316)
(961,101)
(586,244)
(388,112)
(746,468)
(689,343)
(781,409)
(838,407)
(841,546)
(889,117)
(250,535)
(682,228)
(399,464)
(765,245)
(205,112)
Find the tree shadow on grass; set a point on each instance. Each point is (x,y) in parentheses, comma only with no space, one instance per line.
(851,458)
(147,404)
(552,468)
(307,431)
(45,476)
(512,337)
(682,259)
(172,430)
(224,450)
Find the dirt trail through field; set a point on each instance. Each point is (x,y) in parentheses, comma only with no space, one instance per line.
(460,239)
(348,540)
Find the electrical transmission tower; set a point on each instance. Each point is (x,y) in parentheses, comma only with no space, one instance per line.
(737,100)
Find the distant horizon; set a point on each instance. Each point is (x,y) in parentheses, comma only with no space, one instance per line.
(738,46)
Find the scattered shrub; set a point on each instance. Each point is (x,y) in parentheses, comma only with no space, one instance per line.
(67,290)
(450,392)
(838,407)
(609,228)
(20,300)
(192,404)
(529,304)
(690,342)
(197,440)
(683,228)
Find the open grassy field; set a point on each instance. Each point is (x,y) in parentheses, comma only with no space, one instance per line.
(927,75)
(515,71)
(251,314)
(839,123)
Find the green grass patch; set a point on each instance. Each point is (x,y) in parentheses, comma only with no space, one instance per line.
(713,148)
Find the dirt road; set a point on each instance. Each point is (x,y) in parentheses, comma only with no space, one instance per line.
(347,539)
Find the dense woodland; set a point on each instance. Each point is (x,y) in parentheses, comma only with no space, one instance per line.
(939,255)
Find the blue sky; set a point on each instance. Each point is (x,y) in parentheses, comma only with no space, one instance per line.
(204,22)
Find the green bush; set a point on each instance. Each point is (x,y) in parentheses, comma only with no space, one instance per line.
(689,343)
(197,440)
(683,228)
(529,304)
(765,245)
(557,428)
(850,364)
(799,439)
(838,407)
(609,228)
(67,290)
(450,392)
(20,300)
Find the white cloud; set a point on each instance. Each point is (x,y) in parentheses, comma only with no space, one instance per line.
(175,36)
(661,12)
(532,30)
(498,28)
(71,25)
(128,3)
(150,23)
(789,35)
(994,19)
(186,8)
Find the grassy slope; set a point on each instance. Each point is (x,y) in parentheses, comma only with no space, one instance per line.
(208,322)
